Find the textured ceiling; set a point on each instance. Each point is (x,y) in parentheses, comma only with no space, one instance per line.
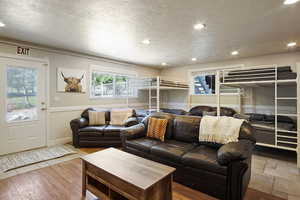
(115,28)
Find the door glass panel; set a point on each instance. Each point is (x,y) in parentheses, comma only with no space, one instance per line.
(21,95)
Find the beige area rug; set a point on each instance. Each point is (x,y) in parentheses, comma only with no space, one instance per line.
(17,160)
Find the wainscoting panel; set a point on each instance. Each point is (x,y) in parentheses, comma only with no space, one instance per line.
(59,131)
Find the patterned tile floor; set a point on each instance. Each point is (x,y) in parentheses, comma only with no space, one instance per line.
(273,172)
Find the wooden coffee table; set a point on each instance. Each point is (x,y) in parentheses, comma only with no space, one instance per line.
(112,174)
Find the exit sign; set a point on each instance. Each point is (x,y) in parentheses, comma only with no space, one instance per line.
(23,51)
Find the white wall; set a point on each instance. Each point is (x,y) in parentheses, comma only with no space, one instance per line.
(64,107)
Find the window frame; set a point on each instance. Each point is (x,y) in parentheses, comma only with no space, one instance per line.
(114,72)
(204,73)
(209,71)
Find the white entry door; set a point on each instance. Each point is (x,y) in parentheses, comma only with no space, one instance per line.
(22,105)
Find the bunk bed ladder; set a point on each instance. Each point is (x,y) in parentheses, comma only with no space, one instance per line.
(276,106)
(154,96)
(279,137)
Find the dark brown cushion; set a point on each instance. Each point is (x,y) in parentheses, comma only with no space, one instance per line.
(92,130)
(224,111)
(171,150)
(173,111)
(113,130)
(198,110)
(142,144)
(186,128)
(204,158)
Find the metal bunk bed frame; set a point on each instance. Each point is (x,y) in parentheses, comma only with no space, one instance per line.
(273,83)
(154,91)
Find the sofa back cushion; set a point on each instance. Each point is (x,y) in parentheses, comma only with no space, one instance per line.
(157,128)
(211,113)
(224,111)
(160,115)
(96,118)
(186,128)
(85,113)
(173,111)
(247,132)
(198,110)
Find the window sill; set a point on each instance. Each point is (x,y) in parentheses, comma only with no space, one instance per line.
(224,94)
(113,97)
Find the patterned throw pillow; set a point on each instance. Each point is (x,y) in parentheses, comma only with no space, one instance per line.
(157,128)
(96,118)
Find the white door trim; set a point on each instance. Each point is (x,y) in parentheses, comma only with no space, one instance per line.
(25,58)
(46,63)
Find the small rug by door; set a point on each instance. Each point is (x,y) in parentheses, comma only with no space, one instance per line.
(17,160)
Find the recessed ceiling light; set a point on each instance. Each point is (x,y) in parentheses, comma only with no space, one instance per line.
(146,41)
(289,2)
(163,64)
(199,26)
(291,44)
(2,24)
(234,53)
(194,59)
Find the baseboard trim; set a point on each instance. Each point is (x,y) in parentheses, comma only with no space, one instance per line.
(59,141)
(80,108)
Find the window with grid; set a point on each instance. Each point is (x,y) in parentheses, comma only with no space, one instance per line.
(106,84)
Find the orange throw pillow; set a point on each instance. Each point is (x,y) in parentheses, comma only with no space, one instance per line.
(157,128)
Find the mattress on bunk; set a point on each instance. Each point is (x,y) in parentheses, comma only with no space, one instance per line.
(248,79)
(265,136)
(287,75)
(267,126)
(260,70)
(174,85)
(167,83)
(260,74)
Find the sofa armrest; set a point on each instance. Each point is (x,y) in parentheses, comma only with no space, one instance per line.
(235,151)
(133,132)
(79,123)
(76,124)
(131,121)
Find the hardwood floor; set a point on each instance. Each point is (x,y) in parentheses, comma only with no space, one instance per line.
(63,182)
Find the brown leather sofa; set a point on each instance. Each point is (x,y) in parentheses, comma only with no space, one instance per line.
(97,136)
(222,171)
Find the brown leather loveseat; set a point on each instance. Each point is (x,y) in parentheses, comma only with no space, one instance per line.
(98,136)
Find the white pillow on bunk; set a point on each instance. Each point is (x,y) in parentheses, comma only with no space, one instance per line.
(119,116)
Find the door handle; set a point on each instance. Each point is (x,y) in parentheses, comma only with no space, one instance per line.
(43,109)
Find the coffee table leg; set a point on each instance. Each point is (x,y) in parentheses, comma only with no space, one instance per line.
(170,187)
(83,180)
